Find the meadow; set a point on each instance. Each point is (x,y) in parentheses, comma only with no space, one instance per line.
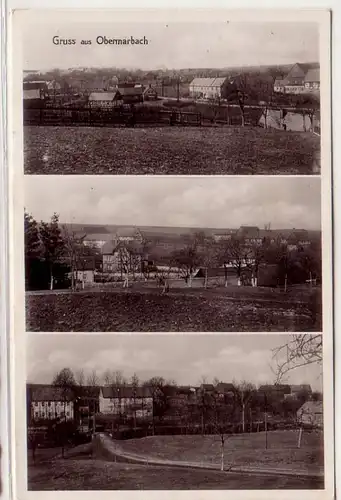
(207,150)
(234,309)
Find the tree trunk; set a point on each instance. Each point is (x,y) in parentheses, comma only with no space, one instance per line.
(222,454)
(266,430)
(51,278)
(206,277)
(299,437)
(243,417)
(285,282)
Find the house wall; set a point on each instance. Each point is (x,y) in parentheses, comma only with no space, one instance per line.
(52,410)
(125,406)
(207,92)
(86,276)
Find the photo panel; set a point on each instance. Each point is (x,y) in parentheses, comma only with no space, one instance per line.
(106,253)
(176,412)
(164,93)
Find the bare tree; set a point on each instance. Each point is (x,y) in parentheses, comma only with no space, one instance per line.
(221,412)
(244,392)
(189,258)
(235,253)
(300,350)
(135,384)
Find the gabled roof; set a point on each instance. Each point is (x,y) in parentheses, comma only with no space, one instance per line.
(149,89)
(208,82)
(311,407)
(103,96)
(32,94)
(127,391)
(134,247)
(313,75)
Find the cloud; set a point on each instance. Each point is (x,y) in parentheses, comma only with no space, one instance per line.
(183,358)
(178,201)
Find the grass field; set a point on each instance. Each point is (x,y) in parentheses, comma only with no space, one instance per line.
(80,471)
(189,310)
(168,150)
(240,450)
(101,475)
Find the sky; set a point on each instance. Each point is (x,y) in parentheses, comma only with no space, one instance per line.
(172,45)
(212,202)
(183,358)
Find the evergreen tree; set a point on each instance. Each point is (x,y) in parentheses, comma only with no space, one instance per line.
(53,244)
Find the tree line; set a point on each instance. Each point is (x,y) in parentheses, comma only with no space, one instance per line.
(54,254)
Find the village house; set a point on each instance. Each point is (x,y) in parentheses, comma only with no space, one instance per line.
(301,78)
(312,80)
(126,400)
(311,414)
(131,93)
(123,258)
(297,390)
(207,88)
(149,94)
(50,403)
(86,274)
(105,99)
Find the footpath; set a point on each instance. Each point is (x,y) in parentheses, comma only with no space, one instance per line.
(105,447)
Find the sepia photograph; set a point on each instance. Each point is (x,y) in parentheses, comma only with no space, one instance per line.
(165,412)
(112,253)
(172,98)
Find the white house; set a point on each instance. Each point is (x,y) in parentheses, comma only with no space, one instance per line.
(207,88)
(49,402)
(126,400)
(104,99)
(311,413)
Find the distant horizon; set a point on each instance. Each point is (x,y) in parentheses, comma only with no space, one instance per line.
(211,202)
(138,226)
(186,359)
(167,69)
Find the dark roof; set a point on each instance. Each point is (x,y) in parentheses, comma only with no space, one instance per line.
(126,392)
(248,231)
(50,393)
(224,387)
(207,387)
(35,85)
(275,388)
(130,90)
(301,387)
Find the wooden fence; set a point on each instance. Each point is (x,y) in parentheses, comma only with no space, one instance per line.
(97,117)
